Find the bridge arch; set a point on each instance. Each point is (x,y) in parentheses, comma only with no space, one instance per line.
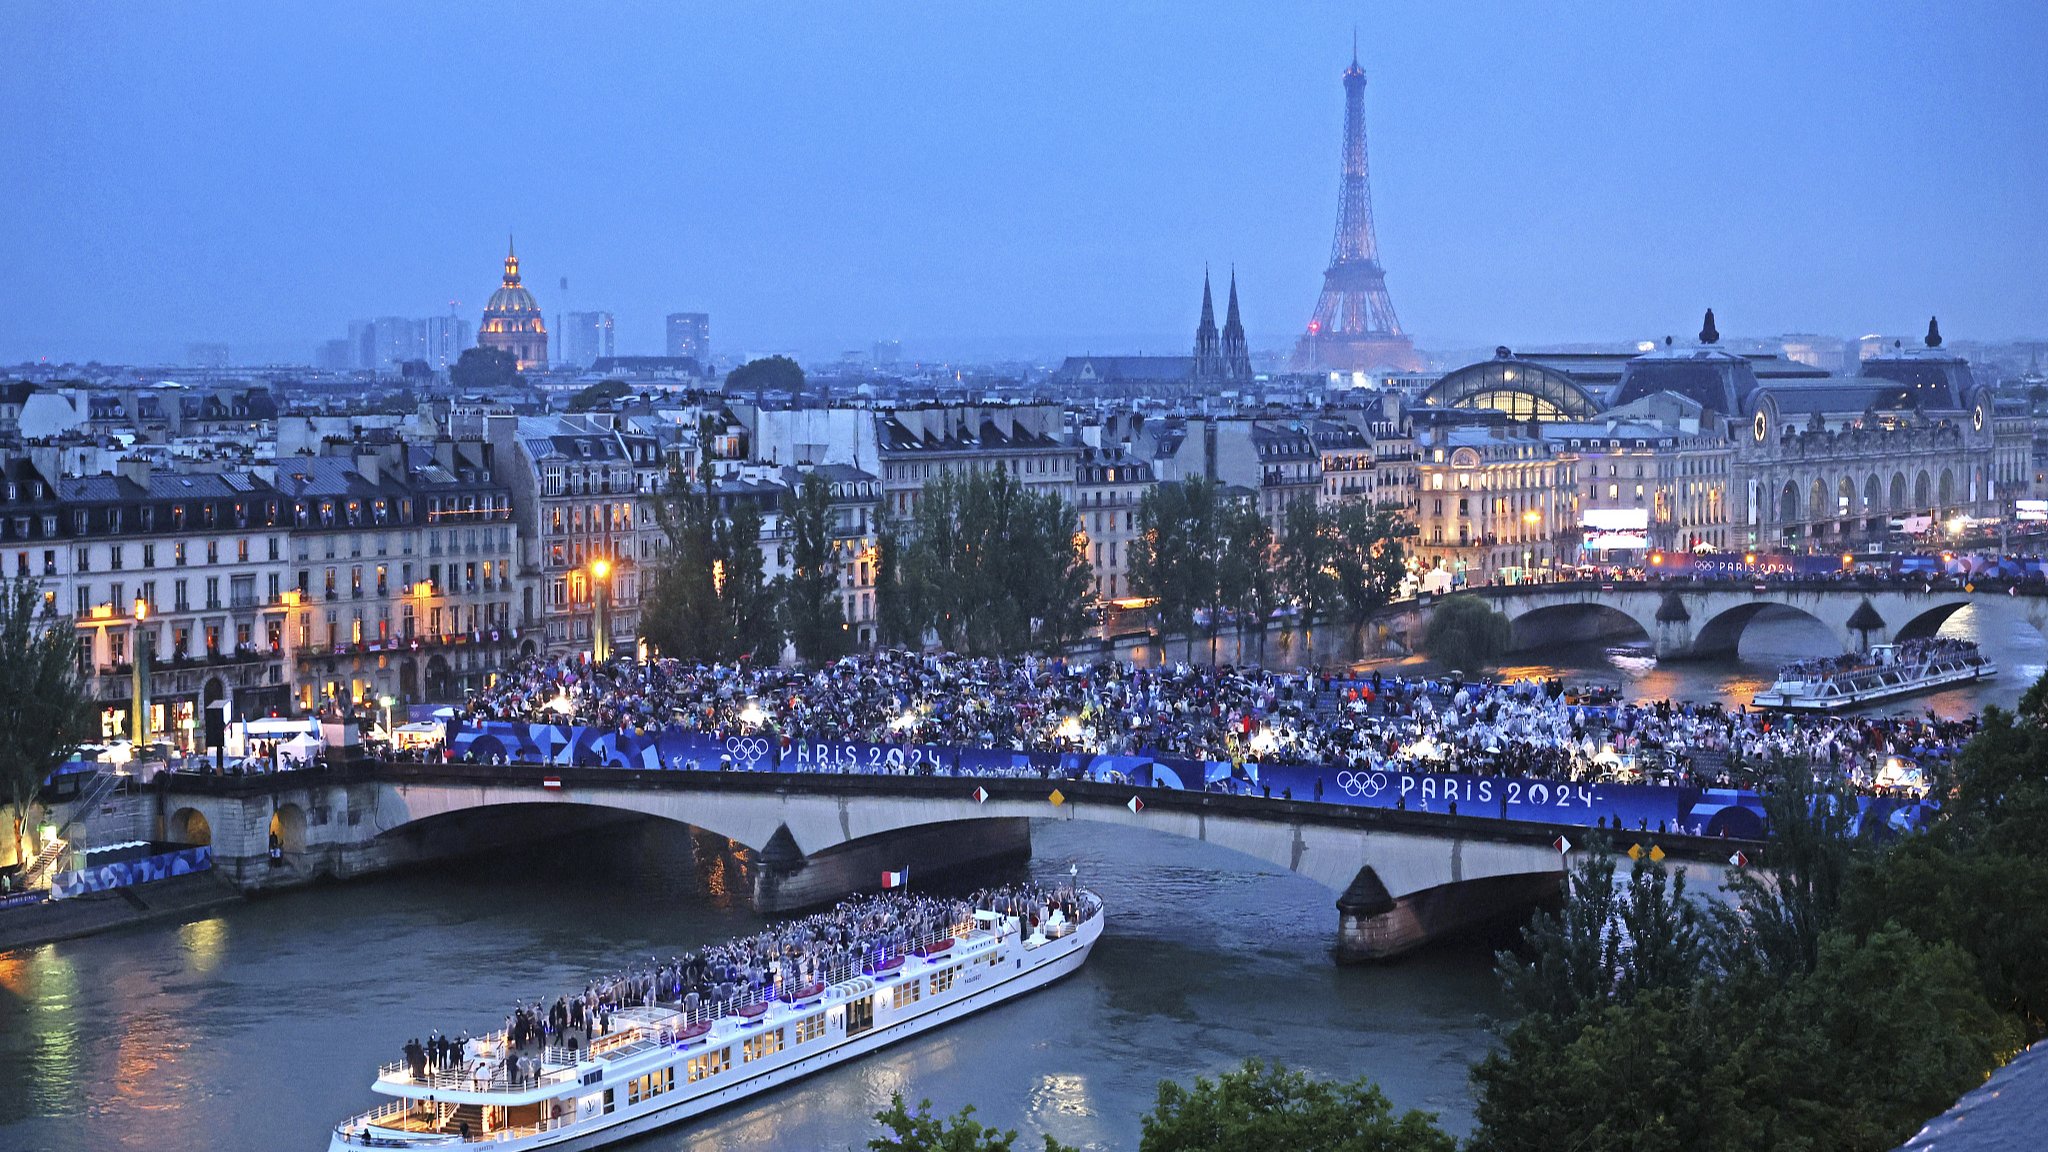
(1570,623)
(188,826)
(288,825)
(1721,635)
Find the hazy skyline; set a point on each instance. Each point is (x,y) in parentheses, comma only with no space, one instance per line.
(1035,183)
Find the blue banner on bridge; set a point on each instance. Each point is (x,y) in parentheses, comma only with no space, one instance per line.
(101,877)
(1629,807)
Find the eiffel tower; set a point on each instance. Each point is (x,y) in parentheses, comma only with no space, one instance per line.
(1354,326)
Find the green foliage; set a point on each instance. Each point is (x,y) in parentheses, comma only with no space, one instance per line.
(601,393)
(1174,560)
(486,370)
(1466,633)
(1308,569)
(1979,877)
(920,1131)
(709,600)
(1258,1108)
(811,610)
(1370,559)
(1245,580)
(770,374)
(45,711)
(990,566)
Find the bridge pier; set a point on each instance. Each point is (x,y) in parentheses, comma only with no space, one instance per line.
(784,879)
(1374,925)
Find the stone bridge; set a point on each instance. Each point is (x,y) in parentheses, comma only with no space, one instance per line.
(1707,620)
(1401,878)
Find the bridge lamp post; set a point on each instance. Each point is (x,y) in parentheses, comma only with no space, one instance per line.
(600,628)
(140,688)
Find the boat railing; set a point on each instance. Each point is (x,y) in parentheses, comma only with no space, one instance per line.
(463,1080)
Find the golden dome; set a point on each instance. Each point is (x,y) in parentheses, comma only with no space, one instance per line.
(510,297)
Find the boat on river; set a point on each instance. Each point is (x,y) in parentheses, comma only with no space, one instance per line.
(663,1063)
(1886,672)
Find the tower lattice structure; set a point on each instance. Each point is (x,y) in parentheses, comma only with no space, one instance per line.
(1354,326)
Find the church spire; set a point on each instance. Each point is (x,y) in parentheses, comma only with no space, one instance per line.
(1933,332)
(1708,333)
(511,263)
(1236,354)
(1208,350)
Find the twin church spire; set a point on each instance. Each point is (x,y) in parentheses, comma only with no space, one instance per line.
(1221,357)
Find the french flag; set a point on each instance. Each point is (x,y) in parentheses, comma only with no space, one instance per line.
(895,879)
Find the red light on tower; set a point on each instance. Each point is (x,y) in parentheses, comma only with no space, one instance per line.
(1314,326)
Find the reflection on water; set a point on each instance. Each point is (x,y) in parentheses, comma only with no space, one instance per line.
(260,1026)
(1776,637)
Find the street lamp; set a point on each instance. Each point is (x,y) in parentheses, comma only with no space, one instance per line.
(139,691)
(600,593)
(386,701)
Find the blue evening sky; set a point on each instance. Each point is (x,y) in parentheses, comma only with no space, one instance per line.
(986,179)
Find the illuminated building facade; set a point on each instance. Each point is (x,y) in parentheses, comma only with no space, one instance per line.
(512,320)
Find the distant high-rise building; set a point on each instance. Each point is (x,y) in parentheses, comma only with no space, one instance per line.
(447,336)
(333,356)
(587,337)
(689,334)
(888,352)
(206,355)
(512,320)
(1354,326)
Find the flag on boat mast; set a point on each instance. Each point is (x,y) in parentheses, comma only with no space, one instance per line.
(895,879)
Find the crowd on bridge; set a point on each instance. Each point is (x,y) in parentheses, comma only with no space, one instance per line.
(1215,713)
(789,960)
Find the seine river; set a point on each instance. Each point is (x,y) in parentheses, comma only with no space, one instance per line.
(259,1027)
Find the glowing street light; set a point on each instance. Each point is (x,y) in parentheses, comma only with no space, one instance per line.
(601,625)
(139,688)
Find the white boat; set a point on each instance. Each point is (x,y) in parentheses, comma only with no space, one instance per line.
(1886,672)
(663,1064)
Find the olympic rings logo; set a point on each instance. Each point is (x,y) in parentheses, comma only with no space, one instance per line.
(747,751)
(1361,783)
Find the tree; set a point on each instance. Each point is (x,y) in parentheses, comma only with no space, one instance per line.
(811,610)
(601,393)
(769,374)
(709,600)
(490,371)
(1245,581)
(989,566)
(1308,573)
(1370,560)
(920,1131)
(1465,632)
(1257,1108)
(45,710)
(1174,559)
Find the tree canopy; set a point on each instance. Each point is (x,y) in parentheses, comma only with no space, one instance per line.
(709,599)
(920,1131)
(768,374)
(601,393)
(988,565)
(1465,632)
(46,712)
(1259,1108)
(486,370)
(811,612)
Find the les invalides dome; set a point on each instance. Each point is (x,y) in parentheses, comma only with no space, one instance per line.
(512,320)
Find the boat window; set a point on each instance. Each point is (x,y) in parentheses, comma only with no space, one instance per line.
(942,981)
(810,1027)
(765,1044)
(860,1015)
(908,992)
(710,1064)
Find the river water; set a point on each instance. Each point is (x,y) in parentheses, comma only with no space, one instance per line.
(259,1027)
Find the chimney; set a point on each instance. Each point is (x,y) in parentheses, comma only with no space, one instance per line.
(367,466)
(135,468)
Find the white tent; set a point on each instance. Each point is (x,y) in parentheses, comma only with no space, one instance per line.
(297,752)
